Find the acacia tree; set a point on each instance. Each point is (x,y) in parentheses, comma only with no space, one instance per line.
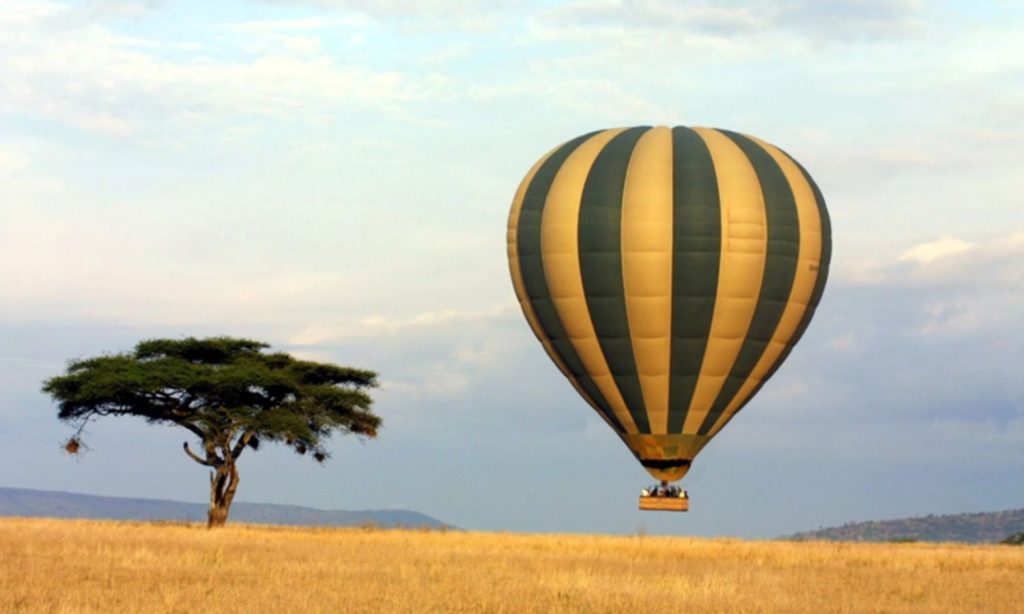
(227,392)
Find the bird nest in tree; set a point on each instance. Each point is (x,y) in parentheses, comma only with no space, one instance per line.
(73,446)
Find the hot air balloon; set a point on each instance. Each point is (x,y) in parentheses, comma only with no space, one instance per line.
(668,272)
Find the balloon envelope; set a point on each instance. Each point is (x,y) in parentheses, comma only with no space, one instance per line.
(668,272)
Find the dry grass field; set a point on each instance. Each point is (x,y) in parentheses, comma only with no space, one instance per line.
(94,566)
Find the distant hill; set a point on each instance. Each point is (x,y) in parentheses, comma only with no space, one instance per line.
(981,528)
(55,504)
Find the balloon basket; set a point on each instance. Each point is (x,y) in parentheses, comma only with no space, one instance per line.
(665,504)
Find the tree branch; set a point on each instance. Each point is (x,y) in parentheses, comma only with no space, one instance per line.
(241,443)
(195,429)
(196,457)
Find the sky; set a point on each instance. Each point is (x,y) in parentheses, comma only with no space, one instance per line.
(334,176)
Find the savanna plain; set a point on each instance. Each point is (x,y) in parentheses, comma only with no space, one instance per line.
(96,566)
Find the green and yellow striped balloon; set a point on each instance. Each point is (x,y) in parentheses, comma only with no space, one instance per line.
(668,272)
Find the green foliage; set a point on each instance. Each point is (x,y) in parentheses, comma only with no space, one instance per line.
(1017,539)
(227,392)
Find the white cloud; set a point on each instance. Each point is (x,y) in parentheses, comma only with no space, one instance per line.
(24,182)
(714,18)
(784,393)
(1010,244)
(441,355)
(105,10)
(380,325)
(601,98)
(984,54)
(845,343)
(89,77)
(850,19)
(956,316)
(473,15)
(437,381)
(168,269)
(865,271)
(990,264)
(955,286)
(11,161)
(300,24)
(455,51)
(821,23)
(973,290)
(926,253)
(930,346)
(393,7)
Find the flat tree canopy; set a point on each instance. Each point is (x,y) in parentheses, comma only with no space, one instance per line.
(227,392)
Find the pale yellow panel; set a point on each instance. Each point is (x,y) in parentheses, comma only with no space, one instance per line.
(809,259)
(740,272)
(513,264)
(520,288)
(513,246)
(560,249)
(647,268)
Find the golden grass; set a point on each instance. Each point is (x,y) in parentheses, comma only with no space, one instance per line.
(94,566)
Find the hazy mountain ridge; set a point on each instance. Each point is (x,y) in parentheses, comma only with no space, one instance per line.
(57,504)
(976,528)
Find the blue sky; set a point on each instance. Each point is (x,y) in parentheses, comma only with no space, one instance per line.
(333,177)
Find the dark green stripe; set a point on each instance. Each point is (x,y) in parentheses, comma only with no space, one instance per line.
(826,253)
(819,283)
(783,251)
(600,236)
(696,252)
(534,282)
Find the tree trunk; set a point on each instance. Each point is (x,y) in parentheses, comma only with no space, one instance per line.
(223,484)
(216,517)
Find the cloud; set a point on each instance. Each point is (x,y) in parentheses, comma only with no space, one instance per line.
(926,253)
(845,343)
(455,51)
(929,342)
(81,14)
(948,286)
(302,24)
(908,364)
(849,19)
(440,367)
(472,15)
(968,289)
(11,161)
(603,99)
(708,18)
(87,76)
(951,317)
(24,182)
(83,262)
(948,262)
(835,21)
(380,325)
(390,8)
(436,381)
